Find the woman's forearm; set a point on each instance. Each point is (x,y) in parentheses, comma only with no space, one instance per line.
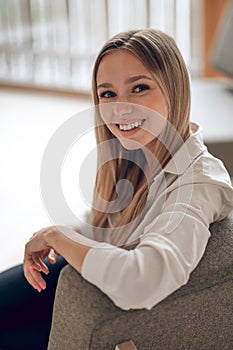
(70,244)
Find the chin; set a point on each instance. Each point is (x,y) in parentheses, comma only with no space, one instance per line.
(131,145)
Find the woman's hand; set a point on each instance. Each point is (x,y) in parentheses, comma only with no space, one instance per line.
(36,249)
(49,242)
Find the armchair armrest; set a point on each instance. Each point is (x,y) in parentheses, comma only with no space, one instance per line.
(197,316)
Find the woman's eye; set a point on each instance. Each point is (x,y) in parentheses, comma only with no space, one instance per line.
(107,94)
(140,88)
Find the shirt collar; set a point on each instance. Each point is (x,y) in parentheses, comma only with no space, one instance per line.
(186,154)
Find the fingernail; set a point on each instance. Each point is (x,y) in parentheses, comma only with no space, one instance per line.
(31,268)
(38,288)
(43,286)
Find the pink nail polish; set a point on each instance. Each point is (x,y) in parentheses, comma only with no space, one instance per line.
(31,268)
(38,288)
(43,286)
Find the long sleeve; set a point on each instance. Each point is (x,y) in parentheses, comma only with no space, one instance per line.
(170,248)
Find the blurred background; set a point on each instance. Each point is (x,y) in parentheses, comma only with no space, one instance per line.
(47,49)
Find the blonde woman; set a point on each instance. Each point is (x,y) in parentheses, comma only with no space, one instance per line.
(157,188)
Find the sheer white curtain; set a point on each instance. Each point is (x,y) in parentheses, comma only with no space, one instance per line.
(52,44)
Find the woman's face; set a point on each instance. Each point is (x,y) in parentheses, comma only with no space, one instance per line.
(132,105)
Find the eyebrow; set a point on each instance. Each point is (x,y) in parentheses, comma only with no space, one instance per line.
(127,81)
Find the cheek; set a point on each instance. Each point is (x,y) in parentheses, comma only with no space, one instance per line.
(106,112)
(105,118)
(158,103)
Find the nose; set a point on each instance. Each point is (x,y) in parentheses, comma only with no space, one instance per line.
(122,109)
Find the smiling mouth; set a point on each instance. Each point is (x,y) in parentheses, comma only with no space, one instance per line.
(132,126)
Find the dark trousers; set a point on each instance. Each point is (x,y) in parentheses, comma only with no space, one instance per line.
(25,314)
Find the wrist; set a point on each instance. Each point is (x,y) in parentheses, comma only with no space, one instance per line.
(51,236)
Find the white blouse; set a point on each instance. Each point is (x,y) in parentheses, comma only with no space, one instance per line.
(192,191)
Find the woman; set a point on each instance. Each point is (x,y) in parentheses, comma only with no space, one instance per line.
(147,237)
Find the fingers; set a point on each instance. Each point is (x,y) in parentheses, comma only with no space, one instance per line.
(32,272)
(36,249)
(52,257)
(38,263)
(40,267)
(35,278)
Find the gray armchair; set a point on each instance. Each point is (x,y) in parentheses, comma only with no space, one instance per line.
(197,316)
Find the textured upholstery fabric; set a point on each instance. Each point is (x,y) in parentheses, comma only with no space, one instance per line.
(197,316)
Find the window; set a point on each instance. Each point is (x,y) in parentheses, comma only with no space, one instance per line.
(52,44)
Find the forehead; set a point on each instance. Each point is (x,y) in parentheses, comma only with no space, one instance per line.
(120,63)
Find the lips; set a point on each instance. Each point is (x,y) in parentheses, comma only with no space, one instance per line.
(130,126)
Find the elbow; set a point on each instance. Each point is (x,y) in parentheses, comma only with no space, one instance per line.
(147,284)
(139,284)
(133,286)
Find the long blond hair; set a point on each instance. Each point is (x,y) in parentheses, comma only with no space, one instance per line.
(160,55)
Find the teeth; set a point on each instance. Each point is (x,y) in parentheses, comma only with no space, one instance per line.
(130,126)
